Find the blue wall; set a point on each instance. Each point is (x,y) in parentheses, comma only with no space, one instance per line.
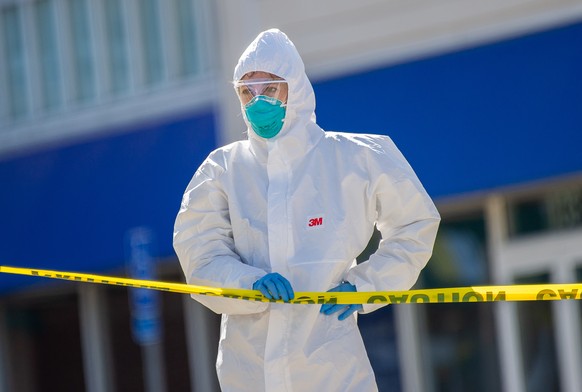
(70,208)
(495,115)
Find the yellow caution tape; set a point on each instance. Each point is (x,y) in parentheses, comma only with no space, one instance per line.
(536,292)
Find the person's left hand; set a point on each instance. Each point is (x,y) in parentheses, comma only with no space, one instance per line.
(347,309)
(274,286)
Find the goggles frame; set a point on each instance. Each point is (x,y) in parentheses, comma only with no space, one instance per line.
(251,88)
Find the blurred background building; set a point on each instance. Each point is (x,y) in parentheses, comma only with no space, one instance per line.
(107,107)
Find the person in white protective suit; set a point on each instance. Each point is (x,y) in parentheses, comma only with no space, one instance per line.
(289,210)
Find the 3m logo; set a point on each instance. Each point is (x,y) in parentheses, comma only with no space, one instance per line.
(316,222)
(313,223)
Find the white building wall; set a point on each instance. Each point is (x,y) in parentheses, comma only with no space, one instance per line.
(335,37)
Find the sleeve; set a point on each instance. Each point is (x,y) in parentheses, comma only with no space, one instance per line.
(407,219)
(204,243)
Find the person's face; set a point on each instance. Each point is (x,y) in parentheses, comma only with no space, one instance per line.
(261,83)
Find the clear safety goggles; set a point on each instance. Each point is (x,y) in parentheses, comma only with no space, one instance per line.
(248,89)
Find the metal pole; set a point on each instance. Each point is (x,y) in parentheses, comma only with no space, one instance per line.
(153,367)
(201,347)
(95,339)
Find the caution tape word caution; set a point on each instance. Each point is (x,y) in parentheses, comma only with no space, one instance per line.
(537,292)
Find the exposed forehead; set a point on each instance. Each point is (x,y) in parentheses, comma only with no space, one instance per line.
(260,75)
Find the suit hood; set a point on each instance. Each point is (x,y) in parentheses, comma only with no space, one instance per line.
(272,51)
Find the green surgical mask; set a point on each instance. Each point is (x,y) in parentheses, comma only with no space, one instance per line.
(266,115)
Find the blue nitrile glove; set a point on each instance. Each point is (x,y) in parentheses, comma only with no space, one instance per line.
(274,286)
(347,309)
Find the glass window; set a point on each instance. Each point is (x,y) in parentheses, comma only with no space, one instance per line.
(83,64)
(15,62)
(527,216)
(45,344)
(174,340)
(564,208)
(188,48)
(152,42)
(556,210)
(50,81)
(537,341)
(116,36)
(126,355)
(460,340)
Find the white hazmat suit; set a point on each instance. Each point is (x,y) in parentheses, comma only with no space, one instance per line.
(303,204)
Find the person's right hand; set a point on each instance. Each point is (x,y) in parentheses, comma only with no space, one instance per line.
(274,286)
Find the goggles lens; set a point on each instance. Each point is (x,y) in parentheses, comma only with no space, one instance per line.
(273,88)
